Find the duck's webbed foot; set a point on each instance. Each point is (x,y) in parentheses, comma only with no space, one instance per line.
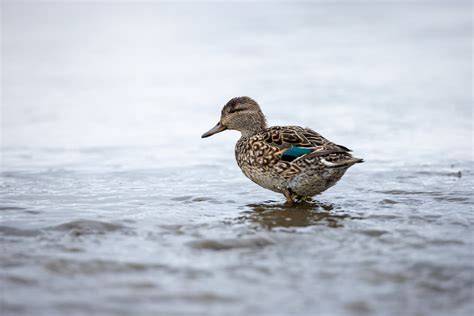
(300,198)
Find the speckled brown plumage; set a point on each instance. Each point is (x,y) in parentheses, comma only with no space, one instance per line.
(260,152)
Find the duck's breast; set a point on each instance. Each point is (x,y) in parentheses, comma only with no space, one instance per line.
(258,163)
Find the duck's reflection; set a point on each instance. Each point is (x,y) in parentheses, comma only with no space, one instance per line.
(271,215)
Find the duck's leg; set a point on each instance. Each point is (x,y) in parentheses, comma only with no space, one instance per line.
(289,198)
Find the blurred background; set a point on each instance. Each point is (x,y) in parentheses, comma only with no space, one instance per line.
(393,74)
(112,204)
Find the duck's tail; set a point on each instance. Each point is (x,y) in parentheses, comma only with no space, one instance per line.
(342,163)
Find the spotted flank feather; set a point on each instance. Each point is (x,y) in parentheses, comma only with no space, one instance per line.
(293,156)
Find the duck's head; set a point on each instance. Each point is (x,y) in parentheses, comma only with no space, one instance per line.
(242,114)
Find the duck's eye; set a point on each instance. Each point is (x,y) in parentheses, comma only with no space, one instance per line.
(236,109)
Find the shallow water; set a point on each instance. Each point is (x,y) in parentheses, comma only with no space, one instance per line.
(111,204)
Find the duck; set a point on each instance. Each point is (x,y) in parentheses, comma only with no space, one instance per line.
(292,160)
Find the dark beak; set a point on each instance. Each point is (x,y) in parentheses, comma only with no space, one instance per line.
(216,129)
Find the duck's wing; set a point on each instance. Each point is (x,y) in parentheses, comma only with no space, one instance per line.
(296,143)
(287,136)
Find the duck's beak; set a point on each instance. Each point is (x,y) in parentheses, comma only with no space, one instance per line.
(216,129)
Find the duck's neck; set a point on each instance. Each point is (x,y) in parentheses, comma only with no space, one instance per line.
(251,125)
(249,132)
